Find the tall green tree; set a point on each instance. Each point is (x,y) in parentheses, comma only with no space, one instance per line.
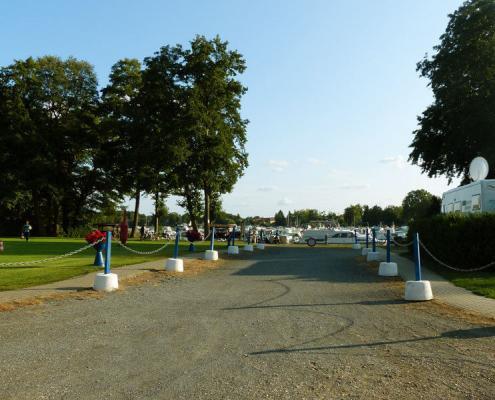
(48,114)
(353,214)
(215,130)
(392,215)
(460,124)
(280,218)
(419,204)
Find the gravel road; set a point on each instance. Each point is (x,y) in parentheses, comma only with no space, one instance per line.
(289,323)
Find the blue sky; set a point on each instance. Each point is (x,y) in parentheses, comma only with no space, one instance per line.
(333,91)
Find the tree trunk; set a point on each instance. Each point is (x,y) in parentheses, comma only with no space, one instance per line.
(206,215)
(190,210)
(136,212)
(157,219)
(36,217)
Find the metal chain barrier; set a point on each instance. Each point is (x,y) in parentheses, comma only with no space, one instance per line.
(143,252)
(45,260)
(402,244)
(454,268)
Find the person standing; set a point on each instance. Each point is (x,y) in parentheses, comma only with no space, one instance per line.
(26,230)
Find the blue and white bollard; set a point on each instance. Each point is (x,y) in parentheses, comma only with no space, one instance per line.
(261,244)
(356,245)
(211,254)
(175,264)
(388,268)
(373,255)
(233,249)
(107,281)
(249,246)
(366,249)
(418,290)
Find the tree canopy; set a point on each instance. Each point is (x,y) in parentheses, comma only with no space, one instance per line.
(169,124)
(460,124)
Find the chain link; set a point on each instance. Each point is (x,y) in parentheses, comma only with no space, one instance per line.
(402,244)
(71,253)
(143,252)
(455,268)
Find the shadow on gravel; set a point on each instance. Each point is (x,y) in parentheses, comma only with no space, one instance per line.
(312,264)
(362,303)
(473,333)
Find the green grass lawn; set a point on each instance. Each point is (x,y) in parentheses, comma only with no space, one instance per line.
(16,277)
(481,283)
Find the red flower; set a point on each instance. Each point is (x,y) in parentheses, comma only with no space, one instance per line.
(94,236)
(193,235)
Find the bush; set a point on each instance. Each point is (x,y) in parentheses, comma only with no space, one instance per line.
(193,235)
(459,240)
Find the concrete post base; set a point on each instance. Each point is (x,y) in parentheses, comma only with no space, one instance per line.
(356,246)
(248,247)
(106,282)
(418,291)
(211,255)
(260,246)
(372,256)
(365,250)
(388,269)
(233,250)
(175,265)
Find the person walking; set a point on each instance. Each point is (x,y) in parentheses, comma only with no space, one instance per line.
(26,230)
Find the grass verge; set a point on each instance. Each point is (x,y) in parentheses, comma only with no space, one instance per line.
(17,277)
(481,283)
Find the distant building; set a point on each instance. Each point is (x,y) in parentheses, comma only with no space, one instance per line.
(474,197)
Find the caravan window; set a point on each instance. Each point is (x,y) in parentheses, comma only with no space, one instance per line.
(475,202)
(457,206)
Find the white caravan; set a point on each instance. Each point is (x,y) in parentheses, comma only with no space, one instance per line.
(478,196)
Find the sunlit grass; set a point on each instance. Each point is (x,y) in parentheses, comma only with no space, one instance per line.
(16,277)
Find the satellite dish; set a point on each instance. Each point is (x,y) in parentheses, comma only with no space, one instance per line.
(478,169)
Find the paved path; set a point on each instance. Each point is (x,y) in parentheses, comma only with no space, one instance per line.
(288,323)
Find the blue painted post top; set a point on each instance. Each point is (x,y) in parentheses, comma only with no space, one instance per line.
(176,247)
(367,238)
(373,234)
(212,238)
(355,236)
(108,251)
(233,236)
(388,245)
(417,257)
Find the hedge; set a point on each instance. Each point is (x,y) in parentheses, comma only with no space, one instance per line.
(460,240)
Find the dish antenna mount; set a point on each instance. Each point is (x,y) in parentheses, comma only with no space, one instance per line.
(478,169)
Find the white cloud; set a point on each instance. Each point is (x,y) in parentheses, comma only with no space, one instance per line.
(349,186)
(338,173)
(267,189)
(285,202)
(315,161)
(278,165)
(396,161)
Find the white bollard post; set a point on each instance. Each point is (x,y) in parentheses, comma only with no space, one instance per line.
(388,269)
(211,255)
(233,250)
(418,290)
(372,256)
(260,246)
(248,247)
(175,264)
(107,281)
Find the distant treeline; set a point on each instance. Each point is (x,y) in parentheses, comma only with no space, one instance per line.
(417,204)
